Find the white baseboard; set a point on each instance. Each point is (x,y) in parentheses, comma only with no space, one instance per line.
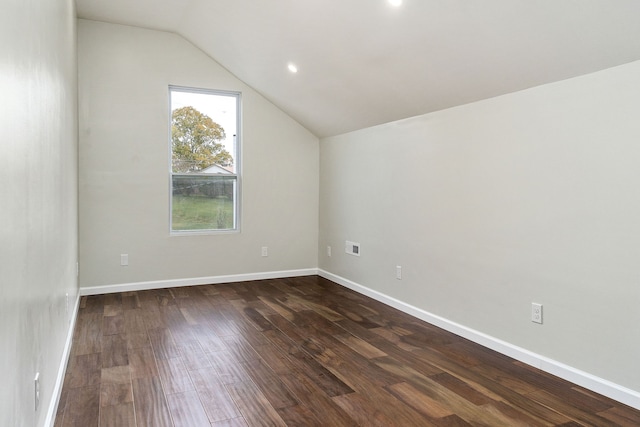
(584,379)
(62,369)
(160,284)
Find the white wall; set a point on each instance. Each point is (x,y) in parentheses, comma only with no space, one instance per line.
(488,207)
(124,73)
(38,199)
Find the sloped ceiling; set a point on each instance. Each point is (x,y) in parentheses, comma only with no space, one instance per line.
(365,62)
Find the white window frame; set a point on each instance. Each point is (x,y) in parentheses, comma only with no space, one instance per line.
(237,162)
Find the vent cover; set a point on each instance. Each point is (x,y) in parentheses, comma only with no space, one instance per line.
(352,248)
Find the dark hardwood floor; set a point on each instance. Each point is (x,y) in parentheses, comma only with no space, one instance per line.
(298,352)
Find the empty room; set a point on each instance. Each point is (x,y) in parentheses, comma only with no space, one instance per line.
(320,213)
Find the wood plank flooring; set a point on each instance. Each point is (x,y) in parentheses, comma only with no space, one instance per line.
(298,352)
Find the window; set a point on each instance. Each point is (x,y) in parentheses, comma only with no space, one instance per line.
(204,167)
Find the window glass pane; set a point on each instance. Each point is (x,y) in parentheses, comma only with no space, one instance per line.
(203,131)
(203,202)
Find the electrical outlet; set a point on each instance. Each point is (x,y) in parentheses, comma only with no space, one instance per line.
(124,259)
(66,303)
(36,390)
(399,272)
(536,312)
(328,251)
(265,251)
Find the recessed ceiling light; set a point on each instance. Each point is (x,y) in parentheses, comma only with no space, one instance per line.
(395,3)
(292,68)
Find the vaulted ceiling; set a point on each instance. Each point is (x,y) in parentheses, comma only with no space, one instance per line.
(366,62)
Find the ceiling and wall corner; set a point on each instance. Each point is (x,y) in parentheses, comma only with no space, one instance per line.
(364,62)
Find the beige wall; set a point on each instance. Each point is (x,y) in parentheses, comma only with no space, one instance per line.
(488,207)
(38,201)
(124,74)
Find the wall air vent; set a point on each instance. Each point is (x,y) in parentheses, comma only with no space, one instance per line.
(352,248)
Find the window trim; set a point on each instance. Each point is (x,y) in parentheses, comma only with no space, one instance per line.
(237,161)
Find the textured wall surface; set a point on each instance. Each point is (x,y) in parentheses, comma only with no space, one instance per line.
(38,200)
